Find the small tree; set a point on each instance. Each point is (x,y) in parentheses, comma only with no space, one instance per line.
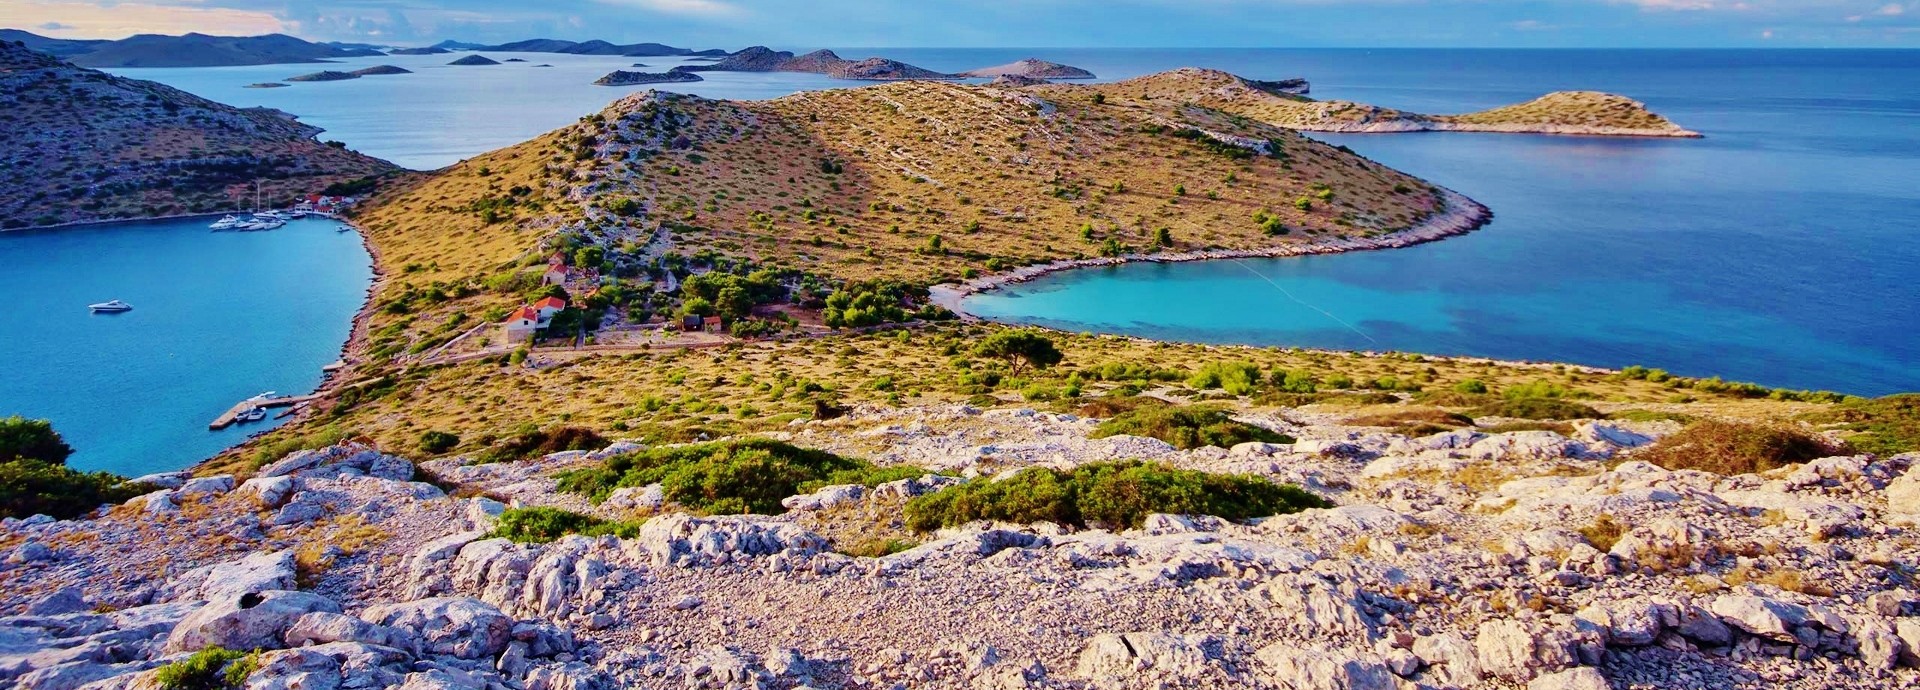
(1163,237)
(589,257)
(1020,349)
(32,439)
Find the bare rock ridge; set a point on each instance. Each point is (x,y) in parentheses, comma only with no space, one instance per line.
(1032,68)
(1584,569)
(1284,104)
(150,150)
(627,78)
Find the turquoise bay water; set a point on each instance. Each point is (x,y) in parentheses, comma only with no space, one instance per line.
(217,317)
(1780,250)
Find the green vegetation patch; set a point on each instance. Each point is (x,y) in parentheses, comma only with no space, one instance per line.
(1883,426)
(729,477)
(1537,408)
(539,525)
(1736,448)
(35,479)
(532,443)
(212,668)
(1113,494)
(1187,427)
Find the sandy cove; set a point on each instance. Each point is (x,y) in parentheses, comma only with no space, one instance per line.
(1462,215)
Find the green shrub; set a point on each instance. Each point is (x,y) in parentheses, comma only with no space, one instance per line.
(1019,349)
(1471,387)
(1538,388)
(1112,406)
(436,442)
(1882,426)
(30,487)
(1187,427)
(742,476)
(1736,448)
(532,443)
(1238,378)
(1114,494)
(212,668)
(1650,416)
(32,439)
(1537,408)
(541,524)
(325,436)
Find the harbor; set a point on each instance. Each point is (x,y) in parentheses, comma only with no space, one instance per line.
(254,409)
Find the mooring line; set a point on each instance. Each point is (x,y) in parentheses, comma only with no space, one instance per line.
(1296,300)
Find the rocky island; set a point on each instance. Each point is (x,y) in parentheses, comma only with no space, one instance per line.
(626,78)
(857,490)
(1569,112)
(474,60)
(763,59)
(1030,68)
(381,70)
(148,149)
(328,75)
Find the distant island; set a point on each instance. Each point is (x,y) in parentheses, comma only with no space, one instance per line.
(190,50)
(328,75)
(429,50)
(1032,68)
(265,85)
(764,59)
(474,60)
(564,47)
(1281,103)
(626,78)
(146,149)
(381,70)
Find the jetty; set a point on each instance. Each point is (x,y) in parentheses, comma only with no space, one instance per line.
(226,419)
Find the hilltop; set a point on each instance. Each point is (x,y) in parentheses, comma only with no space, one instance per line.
(1030,68)
(918,182)
(1568,112)
(190,50)
(80,145)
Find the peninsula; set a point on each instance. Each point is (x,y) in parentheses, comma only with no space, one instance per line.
(146,149)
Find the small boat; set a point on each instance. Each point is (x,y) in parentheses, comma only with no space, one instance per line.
(268,395)
(111,307)
(296,214)
(227,223)
(270,216)
(344,228)
(253,414)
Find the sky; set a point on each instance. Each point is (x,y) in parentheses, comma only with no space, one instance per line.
(805,24)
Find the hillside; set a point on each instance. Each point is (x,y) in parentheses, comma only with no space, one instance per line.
(1569,112)
(1030,68)
(80,145)
(195,50)
(916,181)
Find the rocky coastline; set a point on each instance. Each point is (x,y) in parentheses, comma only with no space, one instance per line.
(628,78)
(1460,216)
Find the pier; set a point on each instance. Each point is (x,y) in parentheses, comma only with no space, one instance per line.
(226,419)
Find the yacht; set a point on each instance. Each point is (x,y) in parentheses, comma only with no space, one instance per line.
(227,223)
(268,395)
(275,216)
(112,307)
(344,228)
(253,414)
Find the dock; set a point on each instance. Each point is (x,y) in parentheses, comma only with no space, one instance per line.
(226,419)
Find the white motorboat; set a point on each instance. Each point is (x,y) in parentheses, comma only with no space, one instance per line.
(227,223)
(110,307)
(253,414)
(268,395)
(270,216)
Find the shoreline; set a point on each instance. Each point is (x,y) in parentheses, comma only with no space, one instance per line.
(118,221)
(1462,215)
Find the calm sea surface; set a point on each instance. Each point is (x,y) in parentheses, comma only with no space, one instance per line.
(217,317)
(1781,249)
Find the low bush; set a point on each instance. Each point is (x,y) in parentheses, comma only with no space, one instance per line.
(1111,406)
(1650,416)
(1537,408)
(1882,426)
(1187,427)
(1736,448)
(1238,378)
(533,443)
(1110,494)
(541,524)
(212,668)
(437,442)
(30,487)
(1417,421)
(743,476)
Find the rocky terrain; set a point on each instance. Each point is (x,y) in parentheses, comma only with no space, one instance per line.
(627,78)
(1032,68)
(1463,559)
(763,59)
(78,145)
(1284,104)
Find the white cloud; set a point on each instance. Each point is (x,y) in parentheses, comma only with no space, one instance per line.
(695,8)
(119,20)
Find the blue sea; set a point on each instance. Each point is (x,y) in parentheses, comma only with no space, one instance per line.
(1781,249)
(217,317)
